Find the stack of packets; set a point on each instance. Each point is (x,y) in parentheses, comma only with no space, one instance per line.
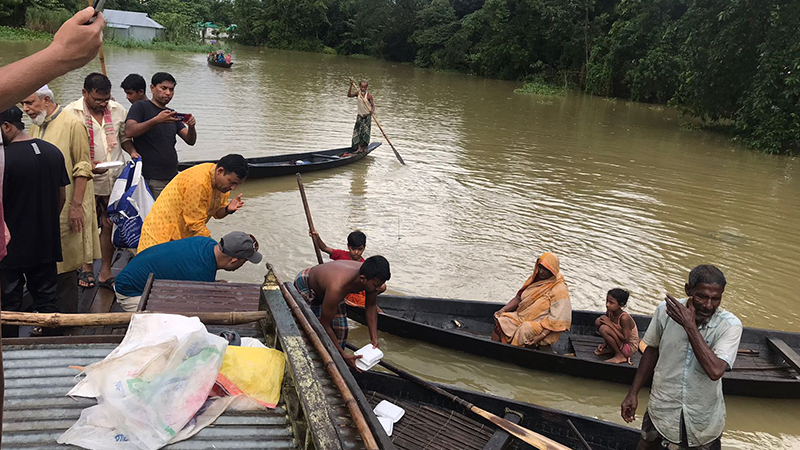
(369,357)
(388,415)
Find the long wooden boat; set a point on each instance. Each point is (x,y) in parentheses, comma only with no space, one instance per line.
(767,365)
(220,64)
(290,164)
(434,422)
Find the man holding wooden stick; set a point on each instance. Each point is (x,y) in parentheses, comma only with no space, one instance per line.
(363,126)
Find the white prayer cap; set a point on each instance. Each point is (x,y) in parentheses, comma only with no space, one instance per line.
(45,91)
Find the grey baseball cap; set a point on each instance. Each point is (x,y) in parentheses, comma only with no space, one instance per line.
(238,244)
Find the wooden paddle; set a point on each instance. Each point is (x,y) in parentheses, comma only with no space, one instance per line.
(358,91)
(308,217)
(523,434)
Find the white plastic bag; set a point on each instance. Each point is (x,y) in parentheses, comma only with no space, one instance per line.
(128,205)
(151,387)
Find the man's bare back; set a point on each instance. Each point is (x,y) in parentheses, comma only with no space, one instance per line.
(334,280)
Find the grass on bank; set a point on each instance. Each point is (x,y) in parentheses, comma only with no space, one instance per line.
(539,87)
(161,45)
(24,34)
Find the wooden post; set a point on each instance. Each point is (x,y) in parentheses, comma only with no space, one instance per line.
(330,365)
(56,320)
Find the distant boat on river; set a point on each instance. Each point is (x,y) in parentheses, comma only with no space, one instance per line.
(220,64)
(292,163)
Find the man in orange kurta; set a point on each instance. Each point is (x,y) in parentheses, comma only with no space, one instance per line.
(540,311)
(194,196)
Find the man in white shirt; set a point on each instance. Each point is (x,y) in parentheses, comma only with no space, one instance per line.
(690,345)
(105,120)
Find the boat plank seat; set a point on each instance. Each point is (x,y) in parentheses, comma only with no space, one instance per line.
(502,438)
(787,353)
(586,345)
(430,427)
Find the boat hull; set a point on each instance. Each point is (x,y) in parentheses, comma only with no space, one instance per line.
(466,325)
(282,165)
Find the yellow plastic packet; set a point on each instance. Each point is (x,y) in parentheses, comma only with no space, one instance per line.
(253,371)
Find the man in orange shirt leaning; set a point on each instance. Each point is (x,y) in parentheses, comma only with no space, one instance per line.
(189,201)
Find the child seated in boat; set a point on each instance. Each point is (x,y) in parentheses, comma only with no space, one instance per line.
(228,58)
(617,328)
(356,243)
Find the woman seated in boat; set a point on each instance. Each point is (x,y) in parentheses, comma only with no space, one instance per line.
(540,311)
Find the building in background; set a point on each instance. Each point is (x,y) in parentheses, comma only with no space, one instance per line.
(131,25)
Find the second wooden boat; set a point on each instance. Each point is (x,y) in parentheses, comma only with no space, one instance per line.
(767,365)
(220,64)
(290,164)
(432,421)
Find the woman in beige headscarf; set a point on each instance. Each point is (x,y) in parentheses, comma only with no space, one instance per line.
(540,311)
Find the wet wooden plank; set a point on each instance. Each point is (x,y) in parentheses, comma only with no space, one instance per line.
(502,438)
(787,353)
(311,396)
(189,296)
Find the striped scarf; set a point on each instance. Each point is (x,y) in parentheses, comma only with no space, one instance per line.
(108,127)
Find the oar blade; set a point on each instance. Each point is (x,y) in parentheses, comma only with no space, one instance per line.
(523,434)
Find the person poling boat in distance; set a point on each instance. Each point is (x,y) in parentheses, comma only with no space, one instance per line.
(690,344)
(363,126)
(324,288)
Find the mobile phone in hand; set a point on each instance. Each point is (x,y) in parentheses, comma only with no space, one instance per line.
(98,6)
(184,117)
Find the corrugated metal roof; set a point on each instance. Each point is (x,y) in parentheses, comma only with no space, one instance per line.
(130,18)
(37,412)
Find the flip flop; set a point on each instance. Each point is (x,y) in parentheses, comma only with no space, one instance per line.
(108,283)
(84,276)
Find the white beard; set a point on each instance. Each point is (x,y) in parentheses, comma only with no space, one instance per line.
(39,120)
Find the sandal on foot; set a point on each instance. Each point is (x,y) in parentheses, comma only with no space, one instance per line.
(108,283)
(87,278)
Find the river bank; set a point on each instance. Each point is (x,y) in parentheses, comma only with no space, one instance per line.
(10,34)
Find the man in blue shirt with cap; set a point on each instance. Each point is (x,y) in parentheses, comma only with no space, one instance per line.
(192,259)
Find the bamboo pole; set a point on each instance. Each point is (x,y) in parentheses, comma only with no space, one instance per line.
(396,153)
(56,320)
(347,396)
(102,57)
(308,217)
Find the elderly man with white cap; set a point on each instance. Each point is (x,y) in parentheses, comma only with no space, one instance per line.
(80,242)
(191,259)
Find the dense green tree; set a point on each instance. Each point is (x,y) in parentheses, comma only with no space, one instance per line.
(725,61)
(436,25)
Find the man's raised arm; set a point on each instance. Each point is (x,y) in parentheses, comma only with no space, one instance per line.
(74,45)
